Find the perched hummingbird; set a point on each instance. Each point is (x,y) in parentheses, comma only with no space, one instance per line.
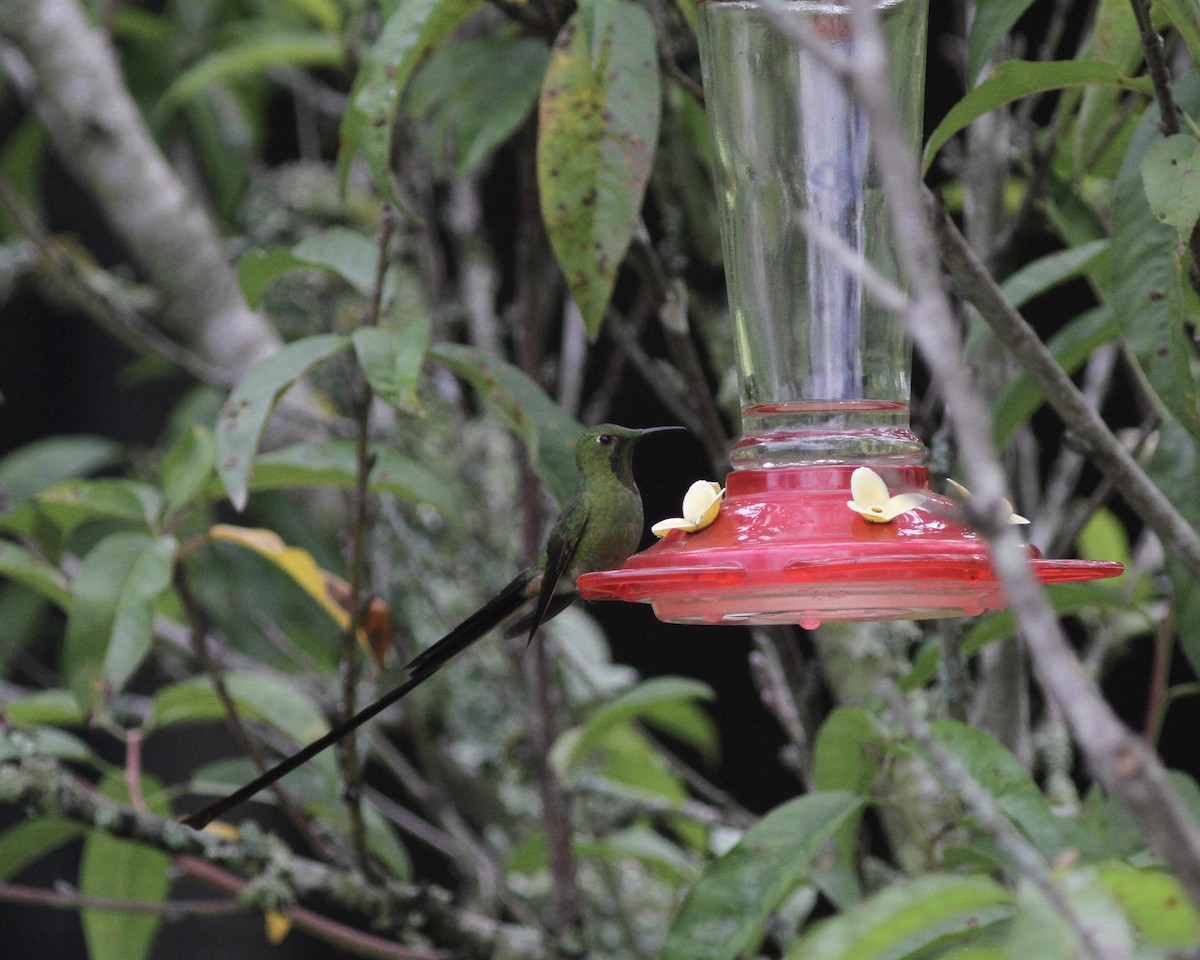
(598,529)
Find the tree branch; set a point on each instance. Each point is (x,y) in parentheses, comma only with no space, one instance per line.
(973,282)
(67,72)
(43,787)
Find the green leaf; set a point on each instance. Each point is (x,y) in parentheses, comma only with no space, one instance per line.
(476,94)
(324,13)
(548,431)
(188,465)
(25,567)
(649,847)
(597,128)
(258,696)
(1115,38)
(991,23)
(1173,466)
(724,913)
(1184,16)
(1040,930)
(1046,273)
(123,870)
(1015,79)
(280,703)
(37,741)
(1008,783)
(391,361)
(332,463)
(906,916)
(324,801)
(109,627)
(408,36)
(73,502)
(347,253)
(43,463)
(55,706)
(1171,177)
(244,415)
(191,701)
(846,756)
(623,756)
(649,700)
(1103,537)
(252,55)
(1150,293)
(847,751)
(257,269)
(1071,347)
(223,129)
(1154,901)
(30,840)
(343,252)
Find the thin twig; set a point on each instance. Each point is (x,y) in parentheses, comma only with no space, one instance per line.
(664,285)
(455,839)
(1156,66)
(70,899)
(339,935)
(533,307)
(1168,109)
(351,663)
(101,296)
(1160,679)
(233,717)
(779,694)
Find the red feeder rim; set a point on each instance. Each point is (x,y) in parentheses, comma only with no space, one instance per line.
(785,548)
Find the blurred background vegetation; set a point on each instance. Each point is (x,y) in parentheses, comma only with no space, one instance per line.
(364,186)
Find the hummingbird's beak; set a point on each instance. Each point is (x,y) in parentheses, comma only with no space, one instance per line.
(659,430)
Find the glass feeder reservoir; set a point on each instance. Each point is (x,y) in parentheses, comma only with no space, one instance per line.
(823,369)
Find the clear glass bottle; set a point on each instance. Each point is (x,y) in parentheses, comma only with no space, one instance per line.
(824,370)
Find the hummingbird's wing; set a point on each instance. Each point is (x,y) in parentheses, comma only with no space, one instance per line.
(560,551)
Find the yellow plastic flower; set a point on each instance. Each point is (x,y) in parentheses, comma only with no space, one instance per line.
(872,501)
(701,504)
(964,495)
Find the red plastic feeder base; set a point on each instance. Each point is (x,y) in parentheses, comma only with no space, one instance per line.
(785,548)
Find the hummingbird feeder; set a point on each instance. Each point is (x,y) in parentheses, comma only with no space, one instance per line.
(823,369)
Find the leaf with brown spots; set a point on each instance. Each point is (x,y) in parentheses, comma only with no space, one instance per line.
(1150,294)
(598,124)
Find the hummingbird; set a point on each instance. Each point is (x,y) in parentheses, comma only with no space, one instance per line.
(598,529)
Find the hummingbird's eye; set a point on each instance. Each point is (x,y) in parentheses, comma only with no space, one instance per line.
(606,439)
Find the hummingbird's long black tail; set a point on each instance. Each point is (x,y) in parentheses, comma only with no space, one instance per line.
(424,666)
(491,614)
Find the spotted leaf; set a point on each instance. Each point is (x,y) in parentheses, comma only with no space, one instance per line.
(598,119)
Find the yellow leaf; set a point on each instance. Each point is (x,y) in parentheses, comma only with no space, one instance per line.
(278,927)
(295,562)
(226,831)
